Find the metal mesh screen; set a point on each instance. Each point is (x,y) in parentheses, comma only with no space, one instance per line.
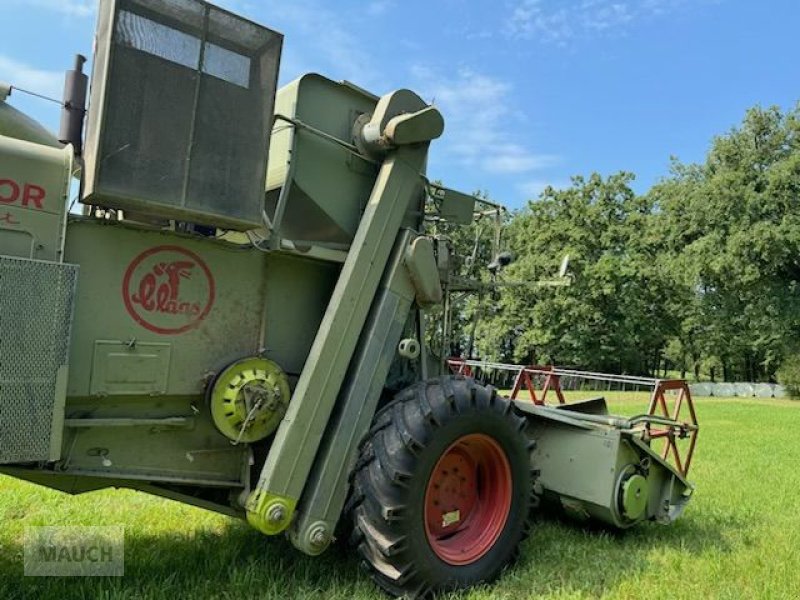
(36,301)
(180,112)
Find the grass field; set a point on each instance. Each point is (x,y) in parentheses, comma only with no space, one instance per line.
(739,538)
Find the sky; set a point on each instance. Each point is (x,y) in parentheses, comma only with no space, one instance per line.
(532,91)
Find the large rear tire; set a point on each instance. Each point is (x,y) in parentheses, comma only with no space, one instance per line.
(443,490)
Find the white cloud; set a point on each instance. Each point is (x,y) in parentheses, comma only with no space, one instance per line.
(533,189)
(479,121)
(379,7)
(514,158)
(530,19)
(557,21)
(72,8)
(21,75)
(323,40)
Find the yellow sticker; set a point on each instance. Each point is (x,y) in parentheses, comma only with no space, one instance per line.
(453,516)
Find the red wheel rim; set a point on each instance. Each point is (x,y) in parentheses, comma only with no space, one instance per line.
(468,499)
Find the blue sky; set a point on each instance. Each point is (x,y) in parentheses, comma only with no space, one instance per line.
(533,91)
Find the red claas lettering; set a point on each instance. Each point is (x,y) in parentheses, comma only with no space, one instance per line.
(9,191)
(27,194)
(33,194)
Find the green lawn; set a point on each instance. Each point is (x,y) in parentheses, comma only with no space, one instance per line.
(739,538)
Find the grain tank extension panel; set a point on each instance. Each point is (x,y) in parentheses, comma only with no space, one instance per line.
(180,112)
(37,299)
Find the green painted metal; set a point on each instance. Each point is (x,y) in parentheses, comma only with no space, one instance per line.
(595,467)
(16,124)
(328,483)
(634,497)
(34,188)
(77,484)
(124,368)
(295,445)
(317,189)
(159,376)
(454,206)
(124,269)
(423,270)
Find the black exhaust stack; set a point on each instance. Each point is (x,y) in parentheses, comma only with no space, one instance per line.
(74,106)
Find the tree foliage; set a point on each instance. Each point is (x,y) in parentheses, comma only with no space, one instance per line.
(701,274)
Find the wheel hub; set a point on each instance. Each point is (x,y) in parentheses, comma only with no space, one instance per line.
(454,491)
(468,499)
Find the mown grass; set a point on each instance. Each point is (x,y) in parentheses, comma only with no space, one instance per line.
(739,538)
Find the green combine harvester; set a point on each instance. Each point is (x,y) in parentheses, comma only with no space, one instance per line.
(235,320)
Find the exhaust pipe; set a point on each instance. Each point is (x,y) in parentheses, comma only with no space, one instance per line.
(73,109)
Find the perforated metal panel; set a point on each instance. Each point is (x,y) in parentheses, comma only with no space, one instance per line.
(180,112)
(36,300)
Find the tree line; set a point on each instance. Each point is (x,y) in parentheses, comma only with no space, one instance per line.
(700,275)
